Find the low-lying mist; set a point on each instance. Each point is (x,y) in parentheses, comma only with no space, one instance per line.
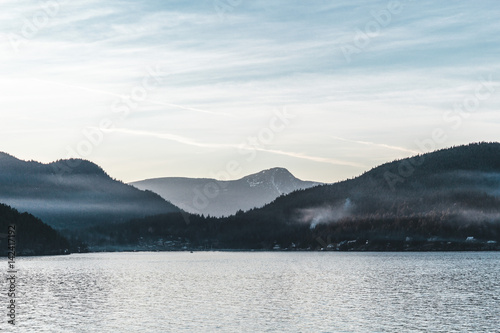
(324,214)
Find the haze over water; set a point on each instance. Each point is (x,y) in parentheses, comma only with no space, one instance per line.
(259,292)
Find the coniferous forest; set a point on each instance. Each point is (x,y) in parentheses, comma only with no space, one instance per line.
(32,236)
(445,200)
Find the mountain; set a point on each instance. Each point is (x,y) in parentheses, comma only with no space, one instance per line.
(448,194)
(456,180)
(30,235)
(222,198)
(72,194)
(444,200)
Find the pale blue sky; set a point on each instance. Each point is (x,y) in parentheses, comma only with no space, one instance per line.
(186,85)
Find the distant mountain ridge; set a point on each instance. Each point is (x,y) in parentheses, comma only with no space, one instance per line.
(222,198)
(69,194)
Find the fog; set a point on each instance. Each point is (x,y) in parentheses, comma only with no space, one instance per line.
(324,214)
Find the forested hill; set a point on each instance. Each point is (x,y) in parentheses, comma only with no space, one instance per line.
(32,236)
(448,194)
(445,200)
(458,178)
(74,193)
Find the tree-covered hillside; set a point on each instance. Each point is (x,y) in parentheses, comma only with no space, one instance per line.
(73,194)
(32,236)
(445,200)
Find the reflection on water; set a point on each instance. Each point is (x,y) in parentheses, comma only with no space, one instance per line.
(259,292)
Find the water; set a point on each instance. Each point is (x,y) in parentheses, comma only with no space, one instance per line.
(258,292)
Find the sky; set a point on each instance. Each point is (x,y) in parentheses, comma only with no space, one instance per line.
(226,88)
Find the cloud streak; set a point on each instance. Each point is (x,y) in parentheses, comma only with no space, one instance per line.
(190,142)
(380,145)
(104,92)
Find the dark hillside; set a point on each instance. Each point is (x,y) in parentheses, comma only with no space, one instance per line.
(32,236)
(72,194)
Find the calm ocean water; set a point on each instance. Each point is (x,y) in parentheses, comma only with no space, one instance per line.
(258,292)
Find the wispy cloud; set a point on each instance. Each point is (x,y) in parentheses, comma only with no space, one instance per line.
(326,160)
(225,75)
(120,96)
(191,142)
(380,145)
(171,137)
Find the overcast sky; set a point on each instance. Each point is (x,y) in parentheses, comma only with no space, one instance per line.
(326,89)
